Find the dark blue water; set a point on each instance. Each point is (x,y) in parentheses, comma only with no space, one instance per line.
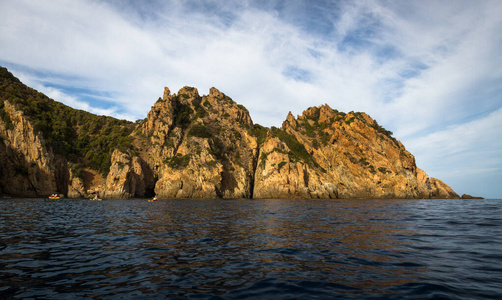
(251,249)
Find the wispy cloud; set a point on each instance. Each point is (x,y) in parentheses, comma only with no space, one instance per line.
(422,69)
(74,101)
(468,155)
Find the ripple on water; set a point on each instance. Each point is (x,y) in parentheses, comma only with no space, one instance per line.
(250,249)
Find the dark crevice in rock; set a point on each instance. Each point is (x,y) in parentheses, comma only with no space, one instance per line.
(253,174)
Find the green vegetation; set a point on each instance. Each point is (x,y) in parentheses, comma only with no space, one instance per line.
(279,150)
(184,96)
(200,112)
(363,161)
(315,129)
(5,117)
(77,169)
(178,161)
(324,137)
(237,135)
(217,147)
(225,99)
(280,165)
(315,116)
(80,136)
(377,127)
(297,150)
(207,105)
(211,164)
(384,170)
(121,165)
(182,114)
(350,120)
(263,156)
(315,144)
(309,129)
(351,158)
(200,130)
(372,169)
(259,132)
(384,132)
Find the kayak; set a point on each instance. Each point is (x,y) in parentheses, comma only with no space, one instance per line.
(53,197)
(95,199)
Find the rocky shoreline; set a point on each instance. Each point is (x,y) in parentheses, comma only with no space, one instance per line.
(192,146)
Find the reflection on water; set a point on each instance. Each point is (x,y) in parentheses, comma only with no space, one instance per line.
(249,248)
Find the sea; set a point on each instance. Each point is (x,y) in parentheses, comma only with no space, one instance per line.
(250,249)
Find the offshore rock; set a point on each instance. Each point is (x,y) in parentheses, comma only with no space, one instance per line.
(466,196)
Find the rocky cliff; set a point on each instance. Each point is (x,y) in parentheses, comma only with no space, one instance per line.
(27,166)
(199,147)
(326,154)
(193,146)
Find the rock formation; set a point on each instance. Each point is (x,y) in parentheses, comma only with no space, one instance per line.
(129,177)
(27,165)
(193,146)
(466,196)
(199,147)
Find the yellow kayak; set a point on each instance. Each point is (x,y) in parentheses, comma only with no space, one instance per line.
(53,197)
(95,199)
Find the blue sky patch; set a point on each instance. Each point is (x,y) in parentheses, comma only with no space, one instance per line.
(297,73)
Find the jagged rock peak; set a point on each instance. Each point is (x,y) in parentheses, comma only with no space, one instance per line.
(214,92)
(290,122)
(323,113)
(290,117)
(326,114)
(191,92)
(226,106)
(167,93)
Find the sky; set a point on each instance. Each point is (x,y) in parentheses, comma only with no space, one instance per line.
(429,71)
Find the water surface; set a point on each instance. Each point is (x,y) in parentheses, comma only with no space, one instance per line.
(251,249)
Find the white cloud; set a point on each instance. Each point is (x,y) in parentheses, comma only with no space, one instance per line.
(472,150)
(442,94)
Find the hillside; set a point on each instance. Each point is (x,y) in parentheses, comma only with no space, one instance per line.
(192,146)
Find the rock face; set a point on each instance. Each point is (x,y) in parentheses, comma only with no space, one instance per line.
(280,174)
(28,166)
(199,147)
(193,146)
(341,155)
(129,177)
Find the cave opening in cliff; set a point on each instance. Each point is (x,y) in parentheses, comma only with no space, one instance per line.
(150,187)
